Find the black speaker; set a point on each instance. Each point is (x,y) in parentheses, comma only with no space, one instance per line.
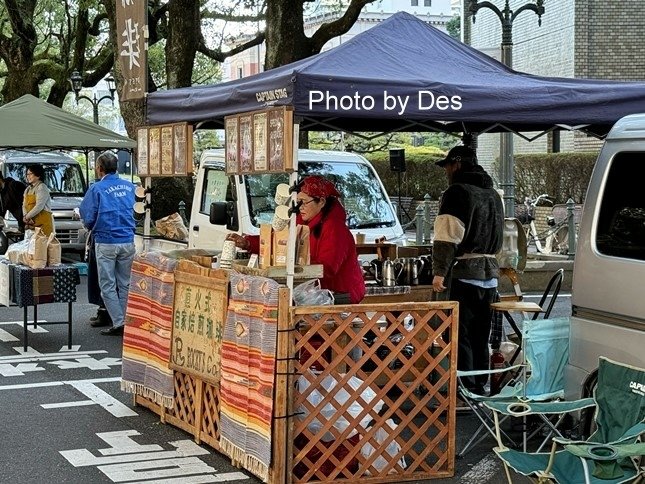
(397,160)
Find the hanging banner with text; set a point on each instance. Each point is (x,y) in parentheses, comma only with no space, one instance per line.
(165,150)
(260,141)
(132,46)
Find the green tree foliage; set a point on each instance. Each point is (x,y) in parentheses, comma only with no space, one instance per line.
(454,27)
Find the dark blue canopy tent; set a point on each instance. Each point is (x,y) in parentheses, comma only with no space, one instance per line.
(448,86)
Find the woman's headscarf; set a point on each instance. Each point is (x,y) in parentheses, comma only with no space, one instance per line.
(318,187)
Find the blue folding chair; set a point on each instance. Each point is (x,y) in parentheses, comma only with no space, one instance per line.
(539,377)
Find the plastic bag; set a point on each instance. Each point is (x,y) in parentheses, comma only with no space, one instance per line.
(328,412)
(172,227)
(17,252)
(392,449)
(311,294)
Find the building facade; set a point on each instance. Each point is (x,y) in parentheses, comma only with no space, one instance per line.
(592,39)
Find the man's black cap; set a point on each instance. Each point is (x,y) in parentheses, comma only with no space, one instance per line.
(459,153)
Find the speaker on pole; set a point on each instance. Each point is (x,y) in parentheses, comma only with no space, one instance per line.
(397,160)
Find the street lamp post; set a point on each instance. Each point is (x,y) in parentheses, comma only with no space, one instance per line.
(507,17)
(76,81)
(77,84)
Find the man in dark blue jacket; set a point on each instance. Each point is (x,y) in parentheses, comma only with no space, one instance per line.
(106,209)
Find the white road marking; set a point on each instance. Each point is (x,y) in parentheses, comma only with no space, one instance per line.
(58,383)
(84,458)
(104,399)
(6,336)
(126,460)
(64,349)
(30,357)
(226,477)
(481,472)
(19,370)
(87,362)
(80,403)
(120,442)
(156,469)
(30,325)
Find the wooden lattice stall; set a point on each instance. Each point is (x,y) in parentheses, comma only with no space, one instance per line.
(371,392)
(361,391)
(195,409)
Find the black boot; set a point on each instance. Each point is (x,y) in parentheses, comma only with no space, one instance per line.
(102,318)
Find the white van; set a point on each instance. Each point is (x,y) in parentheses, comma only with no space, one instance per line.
(608,292)
(241,203)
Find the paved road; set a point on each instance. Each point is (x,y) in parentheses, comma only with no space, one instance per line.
(65,419)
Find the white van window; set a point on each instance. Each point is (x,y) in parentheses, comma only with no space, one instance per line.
(621,220)
(216,184)
(62,179)
(361,193)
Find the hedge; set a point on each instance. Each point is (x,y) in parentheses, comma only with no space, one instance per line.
(561,175)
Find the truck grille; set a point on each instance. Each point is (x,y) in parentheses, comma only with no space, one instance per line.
(67,236)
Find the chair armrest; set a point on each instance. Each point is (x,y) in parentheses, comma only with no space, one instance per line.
(605,452)
(519,408)
(487,372)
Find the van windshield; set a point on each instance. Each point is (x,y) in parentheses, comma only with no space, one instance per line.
(62,179)
(361,193)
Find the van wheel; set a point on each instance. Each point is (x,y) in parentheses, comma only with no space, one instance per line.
(4,243)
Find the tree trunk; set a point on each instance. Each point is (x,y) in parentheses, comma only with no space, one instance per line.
(181,44)
(286,41)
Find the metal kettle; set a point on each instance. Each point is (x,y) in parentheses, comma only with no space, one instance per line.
(390,272)
(412,267)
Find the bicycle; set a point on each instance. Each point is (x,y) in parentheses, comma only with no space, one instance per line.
(556,236)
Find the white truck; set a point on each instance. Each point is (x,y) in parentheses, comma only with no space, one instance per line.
(224,204)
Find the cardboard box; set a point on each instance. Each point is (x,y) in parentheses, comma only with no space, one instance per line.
(303,257)
(280,247)
(266,235)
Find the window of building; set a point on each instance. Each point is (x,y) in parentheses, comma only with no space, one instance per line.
(427,3)
(240,72)
(621,222)
(414,3)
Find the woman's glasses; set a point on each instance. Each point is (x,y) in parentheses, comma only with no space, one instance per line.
(303,202)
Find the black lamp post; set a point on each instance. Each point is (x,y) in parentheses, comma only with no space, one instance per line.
(76,80)
(507,17)
(77,84)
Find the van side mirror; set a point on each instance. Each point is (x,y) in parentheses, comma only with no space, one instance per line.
(224,213)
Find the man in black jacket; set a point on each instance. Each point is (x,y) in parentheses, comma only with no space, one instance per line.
(468,232)
(11,192)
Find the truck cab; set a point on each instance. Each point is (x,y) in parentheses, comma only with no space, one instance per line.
(250,198)
(64,177)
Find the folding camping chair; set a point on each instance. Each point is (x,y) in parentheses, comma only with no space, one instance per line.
(608,455)
(540,377)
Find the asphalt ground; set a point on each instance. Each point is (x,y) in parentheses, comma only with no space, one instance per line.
(66,420)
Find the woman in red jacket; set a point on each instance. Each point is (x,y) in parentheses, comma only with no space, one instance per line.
(330,241)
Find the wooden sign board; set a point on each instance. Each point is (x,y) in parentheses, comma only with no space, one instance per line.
(199,315)
(259,141)
(165,150)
